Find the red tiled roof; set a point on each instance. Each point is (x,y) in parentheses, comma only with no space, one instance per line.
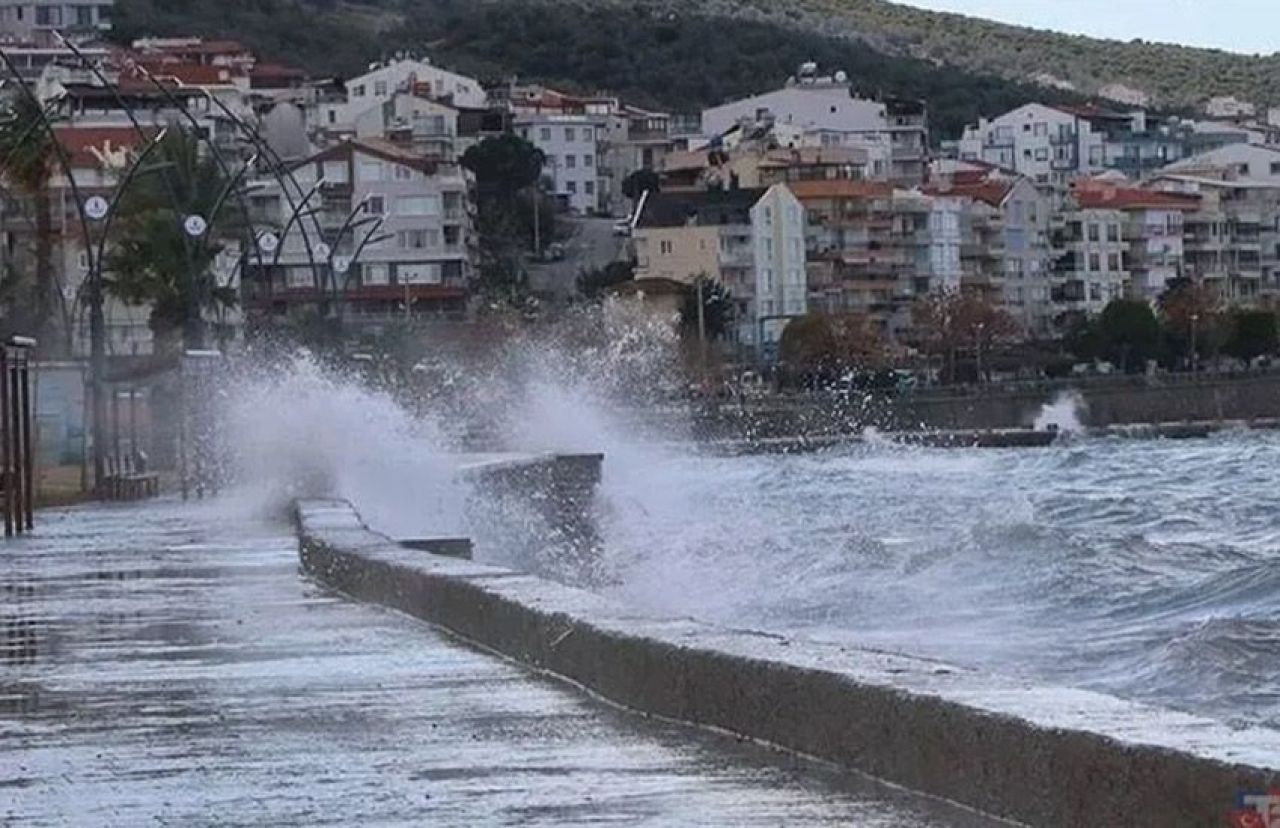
(993,191)
(1100,195)
(86,146)
(190,74)
(840,188)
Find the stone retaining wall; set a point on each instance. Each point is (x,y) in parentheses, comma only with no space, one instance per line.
(1042,756)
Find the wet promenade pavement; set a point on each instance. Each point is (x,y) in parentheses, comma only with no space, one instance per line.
(164,665)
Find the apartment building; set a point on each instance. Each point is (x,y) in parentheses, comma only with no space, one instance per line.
(1154,223)
(1054,145)
(1089,258)
(635,139)
(573,145)
(428,127)
(35,21)
(1005,249)
(824,111)
(1232,241)
(781,284)
(389,238)
(334,117)
(874,250)
(749,240)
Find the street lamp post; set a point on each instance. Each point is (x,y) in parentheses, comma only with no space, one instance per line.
(1195,353)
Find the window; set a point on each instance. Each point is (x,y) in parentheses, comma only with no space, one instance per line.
(375,205)
(48,15)
(1275,167)
(335,172)
(570,162)
(588,160)
(1113,232)
(1042,154)
(380,88)
(375,274)
(1094,234)
(569,136)
(571,187)
(1042,129)
(423,205)
(404,173)
(1113,261)
(664,247)
(418,273)
(1095,263)
(544,134)
(333,116)
(412,239)
(370,170)
(84,15)
(589,187)
(357,91)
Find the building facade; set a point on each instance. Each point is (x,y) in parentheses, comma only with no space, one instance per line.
(825,112)
(390,237)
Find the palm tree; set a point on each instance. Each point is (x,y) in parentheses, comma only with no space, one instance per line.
(154,260)
(27,165)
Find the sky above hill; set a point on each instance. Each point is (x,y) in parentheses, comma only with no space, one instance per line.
(1247,26)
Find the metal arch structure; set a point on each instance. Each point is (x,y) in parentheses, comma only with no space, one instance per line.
(97,316)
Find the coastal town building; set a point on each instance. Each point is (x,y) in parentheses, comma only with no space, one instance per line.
(389,238)
(751,241)
(825,112)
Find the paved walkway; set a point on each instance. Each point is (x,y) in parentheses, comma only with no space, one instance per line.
(154,670)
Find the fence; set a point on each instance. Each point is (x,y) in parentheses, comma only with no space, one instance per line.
(17,455)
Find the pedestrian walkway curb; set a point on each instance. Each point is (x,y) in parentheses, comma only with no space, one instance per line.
(1039,755)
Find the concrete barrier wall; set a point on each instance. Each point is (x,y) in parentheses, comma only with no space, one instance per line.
(1116,401)
(1043,756)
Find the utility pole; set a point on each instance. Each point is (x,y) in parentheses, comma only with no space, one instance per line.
(537,218)
(702,330)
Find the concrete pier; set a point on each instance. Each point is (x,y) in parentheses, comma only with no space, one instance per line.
(167,665)
(1039,755)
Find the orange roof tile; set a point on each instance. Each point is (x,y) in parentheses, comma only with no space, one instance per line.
(840,188)
(1100,195)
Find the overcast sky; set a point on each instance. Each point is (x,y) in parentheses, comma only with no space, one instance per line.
(1238,25)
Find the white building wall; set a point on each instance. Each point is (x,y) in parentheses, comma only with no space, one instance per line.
(1047,145)
(778,248)
(574,148)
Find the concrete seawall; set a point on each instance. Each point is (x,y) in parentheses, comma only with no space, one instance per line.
(1042,756)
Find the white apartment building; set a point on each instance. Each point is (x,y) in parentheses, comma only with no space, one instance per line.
(383,80)
(1090,270)
(826,113)
(1047,144)
(574,149)
(778,245)
(428,127)
(1235,161)
(35,21)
